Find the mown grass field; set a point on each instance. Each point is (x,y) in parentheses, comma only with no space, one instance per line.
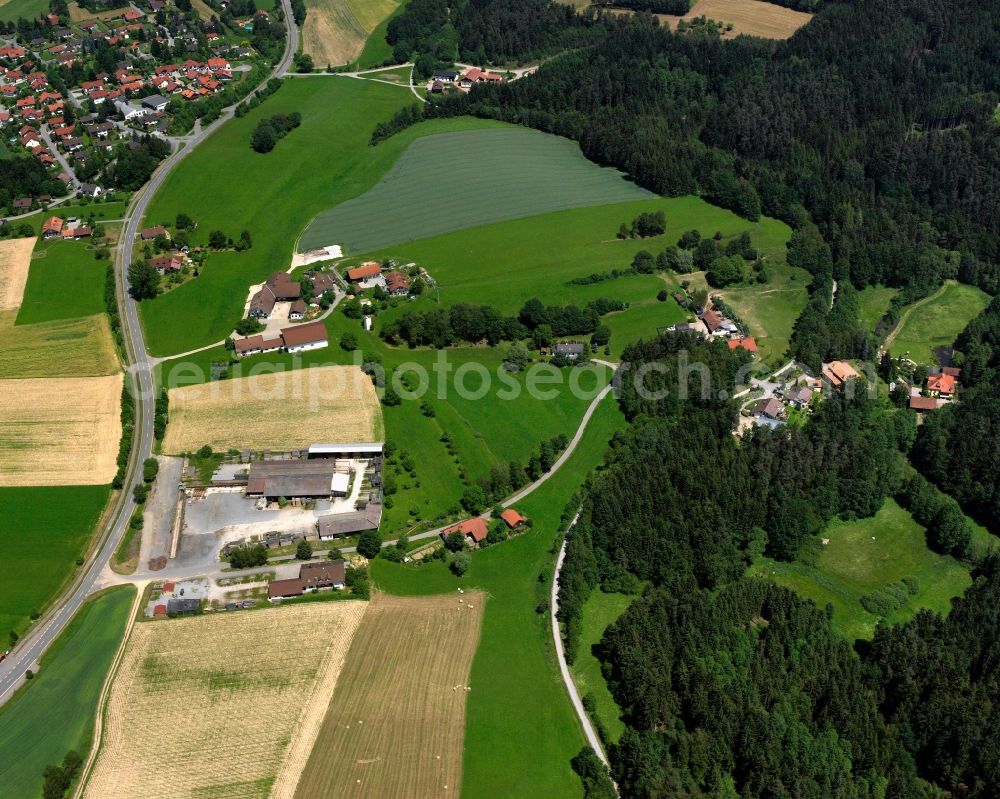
(600,611)
(866,555)
(12,10)
(43,530)
(260,678)
(396,722)
(520,727)
(874,302)
(485,432)
(55,713)
(934,323)
(324,162)
(467,179)
(65,281)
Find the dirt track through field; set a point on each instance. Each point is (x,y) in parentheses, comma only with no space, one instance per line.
(396,724)
(210,706)
(59,431)
(284,410)
(752,17)
(15,258)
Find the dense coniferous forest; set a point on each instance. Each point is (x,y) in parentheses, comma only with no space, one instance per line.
(734,687)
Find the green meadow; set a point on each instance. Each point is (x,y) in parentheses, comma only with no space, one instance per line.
(874,302)
(466,179)
(43,530)
(506,263)
(325,161)
(13,10)
(600,611)
(866,555)
(55,712)
(933,323)
(377,50)
(520,727)
(65,281)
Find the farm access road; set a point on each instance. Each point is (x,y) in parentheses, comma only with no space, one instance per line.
(41,635)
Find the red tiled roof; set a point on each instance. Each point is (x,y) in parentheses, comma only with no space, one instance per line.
(369,269)
(512,517)
(748,343)
(475,528)
(942,383)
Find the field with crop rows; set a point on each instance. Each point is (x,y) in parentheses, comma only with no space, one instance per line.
(331,404)
(460,180)
(210,705)
(396,724)
(59,431)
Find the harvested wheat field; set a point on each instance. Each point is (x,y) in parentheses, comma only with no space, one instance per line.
(752,17)
(210,706)
(59,431)
(65,348)
(15,257)
(283,410)
(335,31)
(396,725)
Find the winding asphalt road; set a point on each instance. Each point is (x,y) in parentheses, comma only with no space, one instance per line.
(34,643)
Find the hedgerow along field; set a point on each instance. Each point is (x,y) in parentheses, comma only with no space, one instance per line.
(55,712)
(335,31)
(285,410)
(396,723)
(932,324)
(750,17)
(321,163)
(43,530)
(866,555)
(466,179)
(188,686)
(521,731)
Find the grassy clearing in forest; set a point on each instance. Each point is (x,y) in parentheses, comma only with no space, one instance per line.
(864,556)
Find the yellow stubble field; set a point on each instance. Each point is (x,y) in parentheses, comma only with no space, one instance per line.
(396,724)
(59,431)
(284,410)
(225,705)
(15,257)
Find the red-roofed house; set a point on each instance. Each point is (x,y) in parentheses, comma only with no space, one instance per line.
(941,385)
(747,343)
(475,529)
(364,271)
(512,518)
(53,227)
(159,611)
